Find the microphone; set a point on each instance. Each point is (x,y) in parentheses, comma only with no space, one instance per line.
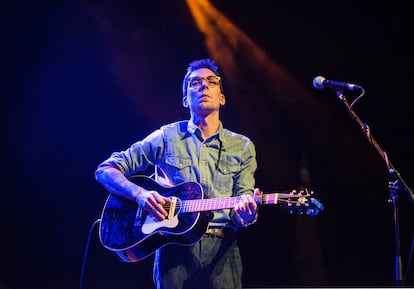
(320,82)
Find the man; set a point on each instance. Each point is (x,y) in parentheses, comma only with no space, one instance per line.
(198,150)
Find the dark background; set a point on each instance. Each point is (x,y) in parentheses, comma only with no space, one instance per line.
(84,79)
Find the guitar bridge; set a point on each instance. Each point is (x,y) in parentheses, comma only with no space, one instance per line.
(173,205)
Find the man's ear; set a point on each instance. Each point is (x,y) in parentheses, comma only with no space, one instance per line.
(184,101)
(223,99)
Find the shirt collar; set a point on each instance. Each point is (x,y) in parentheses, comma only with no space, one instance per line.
(192,128)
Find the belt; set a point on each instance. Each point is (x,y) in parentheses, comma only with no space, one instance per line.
(220,233)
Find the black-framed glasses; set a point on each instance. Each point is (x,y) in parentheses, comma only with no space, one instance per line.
(212,81)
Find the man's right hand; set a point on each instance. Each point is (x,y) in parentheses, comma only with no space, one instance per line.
(153,203)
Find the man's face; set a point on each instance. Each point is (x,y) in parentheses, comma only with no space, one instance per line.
(203,92)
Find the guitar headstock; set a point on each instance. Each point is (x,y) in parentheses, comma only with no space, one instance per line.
(298,202)
(302,202)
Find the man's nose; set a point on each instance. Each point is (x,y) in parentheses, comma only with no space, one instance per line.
(203,84)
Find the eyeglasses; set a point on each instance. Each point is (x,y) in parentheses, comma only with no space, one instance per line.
(212,81)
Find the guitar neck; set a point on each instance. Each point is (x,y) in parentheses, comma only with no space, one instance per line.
(201,205)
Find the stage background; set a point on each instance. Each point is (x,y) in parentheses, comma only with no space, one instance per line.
(84,79)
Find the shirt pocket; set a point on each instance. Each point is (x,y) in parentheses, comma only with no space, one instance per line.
(177,168)
(229,166)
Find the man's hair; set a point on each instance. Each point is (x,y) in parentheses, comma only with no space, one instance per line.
(197,64)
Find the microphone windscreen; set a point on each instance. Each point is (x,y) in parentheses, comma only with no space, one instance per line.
(318,82)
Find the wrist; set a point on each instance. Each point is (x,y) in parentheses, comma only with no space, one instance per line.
(239,221)
(246,224)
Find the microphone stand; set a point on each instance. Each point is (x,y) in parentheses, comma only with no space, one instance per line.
(396,184)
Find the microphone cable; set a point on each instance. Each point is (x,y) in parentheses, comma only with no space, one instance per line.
(86,253)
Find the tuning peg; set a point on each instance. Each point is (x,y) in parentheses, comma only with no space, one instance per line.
(312,212)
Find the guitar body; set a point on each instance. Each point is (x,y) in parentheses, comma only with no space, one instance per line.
(133,235)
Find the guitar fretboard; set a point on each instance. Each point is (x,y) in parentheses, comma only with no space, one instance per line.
(188,206)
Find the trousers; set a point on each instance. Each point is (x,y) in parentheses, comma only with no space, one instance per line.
(213,262)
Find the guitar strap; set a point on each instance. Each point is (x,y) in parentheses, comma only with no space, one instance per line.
(217,164)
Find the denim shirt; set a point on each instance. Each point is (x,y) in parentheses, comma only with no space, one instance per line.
(224,164)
